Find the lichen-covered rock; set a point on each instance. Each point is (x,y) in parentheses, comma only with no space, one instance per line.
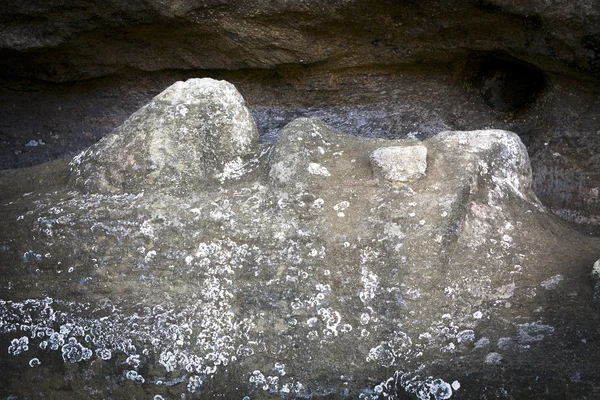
(504,158)
(306,151)
(191,133)
(304,277)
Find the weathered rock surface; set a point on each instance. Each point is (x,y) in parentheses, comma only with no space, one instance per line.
(376,68)
(305,276)
(192,132)
(78,39)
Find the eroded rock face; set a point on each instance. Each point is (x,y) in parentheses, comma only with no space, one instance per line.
(304,276)
(371,67)
(77,39)
(192,132)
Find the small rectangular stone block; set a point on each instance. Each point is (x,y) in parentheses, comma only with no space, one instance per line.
(399,163)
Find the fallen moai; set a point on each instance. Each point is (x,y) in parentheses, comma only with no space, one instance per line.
(181,258)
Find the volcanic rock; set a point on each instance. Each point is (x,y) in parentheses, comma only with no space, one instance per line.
(303,275)
(191,132)
(73,70)
(399,164)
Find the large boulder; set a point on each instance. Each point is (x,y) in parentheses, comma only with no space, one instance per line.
(308,274)
(191,133)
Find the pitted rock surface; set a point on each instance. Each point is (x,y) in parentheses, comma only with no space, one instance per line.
(301,276)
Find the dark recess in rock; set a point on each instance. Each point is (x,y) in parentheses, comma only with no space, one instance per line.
(507,84)
(592,44)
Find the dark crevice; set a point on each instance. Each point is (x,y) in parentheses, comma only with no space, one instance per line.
(506,83)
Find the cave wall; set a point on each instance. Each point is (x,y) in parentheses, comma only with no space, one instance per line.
(77,39)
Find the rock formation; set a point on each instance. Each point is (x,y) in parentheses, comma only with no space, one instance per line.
(190,133)
(317,270)
(71,71)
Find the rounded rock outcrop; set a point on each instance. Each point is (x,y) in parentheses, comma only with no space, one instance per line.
(183,138)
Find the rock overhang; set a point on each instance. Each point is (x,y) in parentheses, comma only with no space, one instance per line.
(83,42)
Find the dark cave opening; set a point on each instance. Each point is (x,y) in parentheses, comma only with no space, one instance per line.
(506,83)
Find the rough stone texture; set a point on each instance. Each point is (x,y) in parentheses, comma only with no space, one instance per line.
(305,277)
(192,132)
(400,164)
(375,68)
(78,39)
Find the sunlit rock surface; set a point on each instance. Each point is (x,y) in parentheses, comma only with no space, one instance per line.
(304,274)
(192,132)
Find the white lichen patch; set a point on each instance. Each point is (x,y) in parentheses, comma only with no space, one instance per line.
(318,169)
(394,230)
(553,282)
(284,386)
(233,169)
(533,332)
(18,346)
(493,359)
(422,388)
(387,353)
(147,229)
(370,283)
(34,362)
(596,270)
(505,291)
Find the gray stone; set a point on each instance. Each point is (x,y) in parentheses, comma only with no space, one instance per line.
(400,164)
(531,67)
(300,276)
(192,132)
